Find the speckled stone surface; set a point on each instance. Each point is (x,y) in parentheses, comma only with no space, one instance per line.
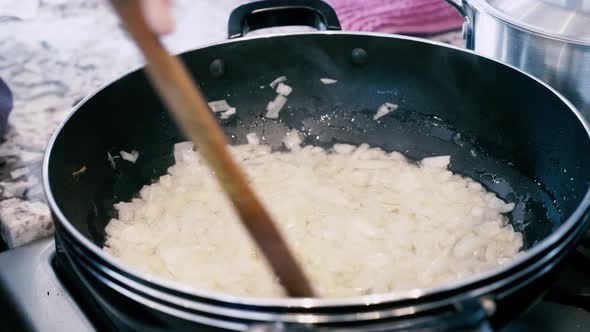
(50,61)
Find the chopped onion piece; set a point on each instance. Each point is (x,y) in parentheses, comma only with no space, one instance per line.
(277,80)
(182,150)
(328,81)
(112,160)
(405,225)
(284,89)
(384,110)
(343,148)
(130,156)
(252,139)
(437,162)
(274,107)
(292,140)
(228,113)
(219,106)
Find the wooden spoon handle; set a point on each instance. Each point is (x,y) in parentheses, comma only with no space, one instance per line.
(192,114)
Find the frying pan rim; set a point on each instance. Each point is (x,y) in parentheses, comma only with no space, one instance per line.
(410,294)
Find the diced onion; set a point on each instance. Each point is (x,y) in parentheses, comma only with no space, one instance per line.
(219,106)
(438,162)
(274,107)
(343,148)
(227,114)
(252,139)
(328,81)
(358,219)
(183,151)
(129,156)
(277,80)
(384,109)
(292,140)
(284,89)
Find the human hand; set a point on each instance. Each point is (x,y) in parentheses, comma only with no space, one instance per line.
(158,15)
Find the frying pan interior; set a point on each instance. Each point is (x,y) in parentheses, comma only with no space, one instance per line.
(500,127)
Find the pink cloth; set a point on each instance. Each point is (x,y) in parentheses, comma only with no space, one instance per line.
(397,16)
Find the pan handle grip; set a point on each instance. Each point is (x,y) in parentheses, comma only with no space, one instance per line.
(275,13)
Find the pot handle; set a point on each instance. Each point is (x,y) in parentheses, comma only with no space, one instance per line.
(467,24)
(275,13)
(458,4)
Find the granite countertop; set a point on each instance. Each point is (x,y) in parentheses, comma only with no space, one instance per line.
(50,61)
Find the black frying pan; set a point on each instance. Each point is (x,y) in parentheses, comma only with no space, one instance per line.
(503,128)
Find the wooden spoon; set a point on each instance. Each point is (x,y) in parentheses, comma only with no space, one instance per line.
(192,114)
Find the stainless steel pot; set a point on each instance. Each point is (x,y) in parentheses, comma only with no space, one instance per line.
(547,38)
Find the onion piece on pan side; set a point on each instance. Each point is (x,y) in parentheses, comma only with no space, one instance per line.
(383,110)
(129,156)
(277,80)
(328,81)
(284,89)
(219,106)
(274,107)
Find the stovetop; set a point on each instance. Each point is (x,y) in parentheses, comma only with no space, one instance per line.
(36,295)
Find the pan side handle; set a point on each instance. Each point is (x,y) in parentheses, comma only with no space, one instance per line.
(275,13)
(467,29)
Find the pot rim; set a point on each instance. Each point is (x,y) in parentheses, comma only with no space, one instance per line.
(485,7)
(373,299)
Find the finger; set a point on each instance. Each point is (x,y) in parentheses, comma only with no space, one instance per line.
(158,16)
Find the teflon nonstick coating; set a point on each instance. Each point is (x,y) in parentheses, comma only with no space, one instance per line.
(500,127)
